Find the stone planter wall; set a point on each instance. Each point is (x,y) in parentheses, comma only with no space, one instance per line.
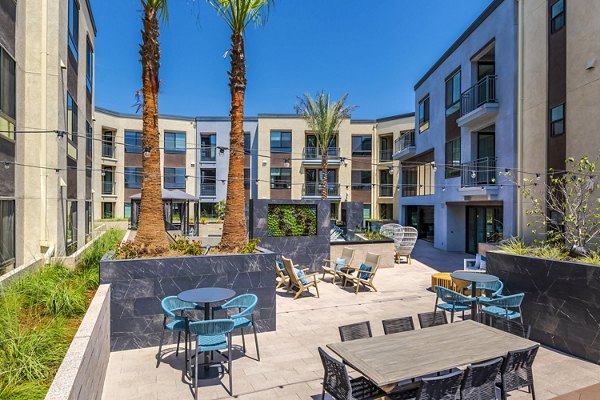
(137,287)
(562,300)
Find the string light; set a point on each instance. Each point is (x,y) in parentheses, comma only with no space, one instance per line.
(147,151)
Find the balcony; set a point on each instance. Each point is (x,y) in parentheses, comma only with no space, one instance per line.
(386,190)
(314,155)
(108,150)
(385,155)
(208,190)
(404,146)
(479,105)
(208,154)
(478,178)
(314,190)
(108,188)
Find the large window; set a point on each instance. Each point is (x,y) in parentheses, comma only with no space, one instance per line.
(133,178)
(7,232)
(208,147)
(174,142)
(7,95)
(281,178)
(557,16)
(208,179)
(89,66)
(71,226)
(175,178)
(453,93)
(108,210)
(361,146)
(108,146)
(72,124)
(366,211)
(424,114)
(386,211)
(247,143)
(133,142)
(453,158)
(361,180)
(246,178)
(88,221)
(89,139)
(74,28)
(418,179)
(107,180)
(281,142)
(557,120)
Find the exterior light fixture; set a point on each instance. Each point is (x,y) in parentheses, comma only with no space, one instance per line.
(147,151)
(223,181)
(286,163)
(391,170)
(473,174)
(344,161)
(443,188)
(434,167)
(538,176)
(264,163)
(221,150)
(6,165)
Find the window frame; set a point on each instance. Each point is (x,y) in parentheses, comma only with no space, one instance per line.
(89,65)
(247,143)
(425,115)
(8,113)
(362,152)
(452,104)
(557,17)
(89,139)
(280,183)
(137,174)
(8,253)
(73,28)
(361,185)
(452,169)
(172,178)
(280,149)
(172,140)
(552,122)
(133,147)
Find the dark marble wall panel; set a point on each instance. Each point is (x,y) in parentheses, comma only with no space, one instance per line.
(562,300)
(138,286)
(354,214)
(308,251)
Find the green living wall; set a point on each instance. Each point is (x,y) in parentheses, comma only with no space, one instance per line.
(292,220)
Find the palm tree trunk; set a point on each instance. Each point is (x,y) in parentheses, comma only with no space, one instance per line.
(324,190)
(151,234)
(234,227)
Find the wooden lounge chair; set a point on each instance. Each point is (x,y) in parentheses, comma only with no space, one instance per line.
(363,277)
(282,273)
(296,283)
(332,267)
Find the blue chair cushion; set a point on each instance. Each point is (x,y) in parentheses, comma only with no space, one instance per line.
(281,267)
(210,343)
(500,312)
(241,322)
(364,275)
(300,275)
(340,263)
(177,325)
(457,307)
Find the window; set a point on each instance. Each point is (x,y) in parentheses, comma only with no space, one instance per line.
(127,210)
(453,93)
(108,147)
(7,232)
(424,114)
(557,120)
(88,221)
(74,28)
(418,180)
(557,16)
(361,180)
(208,147)
(174,178)
(71,226)
(72,127)
(89,139)
(133,142)
(485,68)
(386,211)
(281,142)
(174,142)
(7,95)
(366,211)
(208,210)
(247,143)
(108,210)
(133,177)
(361,146)
(246,178)
(453,158)
(89,66)
(281,178)
(107,180)
(334,212)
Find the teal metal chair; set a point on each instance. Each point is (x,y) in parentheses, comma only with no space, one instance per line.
(503,307)
(452,301)
(175,322)
(493,290)
(245,305)
(212,335)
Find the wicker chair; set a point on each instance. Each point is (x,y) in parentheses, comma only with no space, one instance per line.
(334,268)
(338,384)
(517,372)
(404,242)
(513,327)
(443,387)
(479,381)
(363,277)
(296,283)
(429,319)
(397,325)
(360,330)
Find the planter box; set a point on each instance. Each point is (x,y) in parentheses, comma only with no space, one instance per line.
(138,286)
(562,300)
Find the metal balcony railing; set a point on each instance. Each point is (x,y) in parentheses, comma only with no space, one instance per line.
(386,190)
(478,172)
(386,155)
(108,150)
(208,154)
(479,94)
(407,139)
(315,153)
(208,189)
(108,187)
(316,189)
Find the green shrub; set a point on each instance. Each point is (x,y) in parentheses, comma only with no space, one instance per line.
(291,220)
(188,247)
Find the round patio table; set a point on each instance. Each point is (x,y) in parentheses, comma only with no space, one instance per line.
(474,278)
(206,296)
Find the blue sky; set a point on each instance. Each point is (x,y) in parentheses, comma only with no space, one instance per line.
(374,50)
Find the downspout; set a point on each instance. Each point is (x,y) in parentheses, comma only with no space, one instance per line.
(520,107)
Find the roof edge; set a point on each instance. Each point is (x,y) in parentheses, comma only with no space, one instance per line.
(89,7)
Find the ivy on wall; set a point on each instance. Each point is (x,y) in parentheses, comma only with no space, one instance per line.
(292,220)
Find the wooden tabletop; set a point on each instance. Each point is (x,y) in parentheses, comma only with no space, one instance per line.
(393,358)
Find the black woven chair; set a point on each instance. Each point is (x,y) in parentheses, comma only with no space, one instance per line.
(429,319)
(479,381)
(397,325)
(360,330)
(517,372)
(338,384)
(513,327)
(444,387)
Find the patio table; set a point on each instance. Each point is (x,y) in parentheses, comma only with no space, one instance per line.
(390,359)
(474,278)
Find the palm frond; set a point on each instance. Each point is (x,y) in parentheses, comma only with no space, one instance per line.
(161,7)
(239,13)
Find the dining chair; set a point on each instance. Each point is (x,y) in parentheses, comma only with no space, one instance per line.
(397,325)
(340,386)
(212,335)
(429,319)
(517,371)
(174,322)
(479,380)
(501,307)
(452,301)
(443,387)
(244,318)
(513,327)
(360,330)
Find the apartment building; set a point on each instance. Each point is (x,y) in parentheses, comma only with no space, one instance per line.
(559,86)
(46,105)
(465,131)
(118,159)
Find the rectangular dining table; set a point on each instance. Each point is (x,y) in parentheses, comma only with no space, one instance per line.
(390,359)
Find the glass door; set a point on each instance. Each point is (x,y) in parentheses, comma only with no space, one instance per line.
(484,225)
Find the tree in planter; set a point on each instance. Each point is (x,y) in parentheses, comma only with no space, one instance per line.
(238,14)
(567,206)
(151,233)
(324,118)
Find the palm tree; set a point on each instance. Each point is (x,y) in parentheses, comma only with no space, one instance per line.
(151,234)
(238,14)
(324,118)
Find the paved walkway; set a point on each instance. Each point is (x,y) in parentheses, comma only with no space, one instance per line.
(290,367)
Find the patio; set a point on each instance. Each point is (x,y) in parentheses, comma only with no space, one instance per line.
(290,367)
